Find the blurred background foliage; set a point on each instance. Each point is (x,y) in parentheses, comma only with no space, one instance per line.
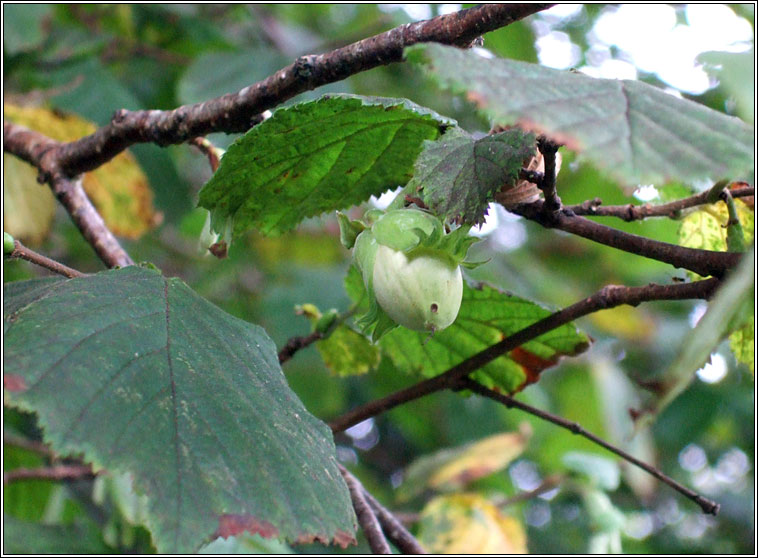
(91,60)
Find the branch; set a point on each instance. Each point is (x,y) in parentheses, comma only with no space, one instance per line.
(54,472)
(632,212)
(238,112)
(607,297)
(366,517)
(547,184)
(24,253)
(393,528)
(708,506)
(40,151)
(703,262)
(212,152)
(296,343)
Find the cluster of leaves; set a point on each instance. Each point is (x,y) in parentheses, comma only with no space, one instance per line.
(187,406)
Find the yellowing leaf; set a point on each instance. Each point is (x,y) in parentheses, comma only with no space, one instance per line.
(118,189)
(706,228)
(479,460)
(453,468)
(346,352)
(627,322)
(28,207)
(469,524)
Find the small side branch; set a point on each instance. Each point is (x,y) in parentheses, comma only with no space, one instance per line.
(547,184)
(24,253)
(393,528)
(365,514)
(296,343)
(54,472)
(607,297)
(703,262)
(708,506)
(631,212)
(209,150)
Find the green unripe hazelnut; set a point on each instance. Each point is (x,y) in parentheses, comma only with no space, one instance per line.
(421,291)
(9,244)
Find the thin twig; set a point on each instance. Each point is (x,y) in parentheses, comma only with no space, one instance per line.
(366,517)
(607,297)
(24,253)
(53,472)
(240,111)
(296,343)
(708,506)
(703,262)
(631,212)
(393,528)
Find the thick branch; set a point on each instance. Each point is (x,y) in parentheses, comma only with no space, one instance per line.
(238,112)
(631,212)
(703,262)
(607,297)
(708,506)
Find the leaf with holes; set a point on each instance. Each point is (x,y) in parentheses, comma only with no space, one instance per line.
(486,317)
(634,131)
(140,375)
(459,175)
(314,157)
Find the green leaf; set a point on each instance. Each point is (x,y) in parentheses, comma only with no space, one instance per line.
(246,544)
(213,74)
(315,157)
(736,74)
(23,26)
(24,537)
(729,309)
(140,375)
(486,317)
(636,132)
(460,175)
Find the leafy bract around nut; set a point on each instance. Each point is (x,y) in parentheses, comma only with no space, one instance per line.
(410,268)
